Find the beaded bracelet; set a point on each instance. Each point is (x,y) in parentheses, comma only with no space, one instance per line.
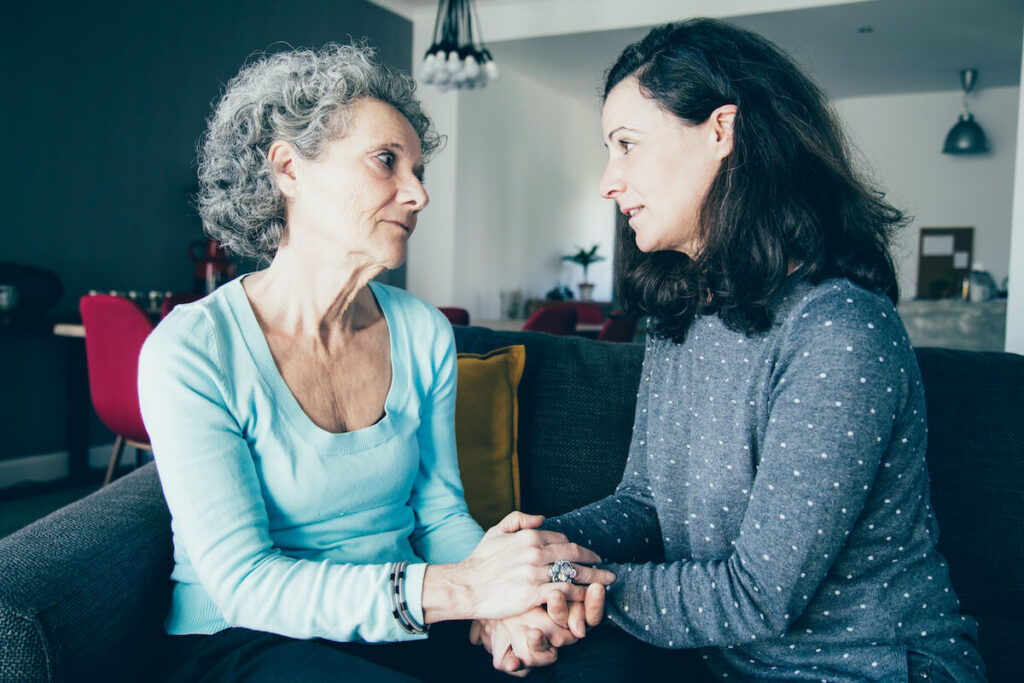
(399,606)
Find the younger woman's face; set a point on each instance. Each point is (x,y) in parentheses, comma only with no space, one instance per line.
(660,167)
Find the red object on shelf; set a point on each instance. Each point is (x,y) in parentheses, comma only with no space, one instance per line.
(175,298)
(213,267)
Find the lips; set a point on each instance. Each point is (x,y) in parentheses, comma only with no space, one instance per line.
(633,212)
(408,226)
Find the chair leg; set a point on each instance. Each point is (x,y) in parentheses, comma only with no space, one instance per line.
(115,458)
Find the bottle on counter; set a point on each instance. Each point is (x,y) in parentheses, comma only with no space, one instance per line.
(982,284)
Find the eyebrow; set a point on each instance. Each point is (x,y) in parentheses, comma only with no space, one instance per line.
(610,134)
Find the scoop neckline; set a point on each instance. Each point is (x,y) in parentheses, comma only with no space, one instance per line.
(283,398)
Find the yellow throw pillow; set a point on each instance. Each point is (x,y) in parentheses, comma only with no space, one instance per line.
(486,419)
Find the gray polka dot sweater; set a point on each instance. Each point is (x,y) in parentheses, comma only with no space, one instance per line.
(774,507)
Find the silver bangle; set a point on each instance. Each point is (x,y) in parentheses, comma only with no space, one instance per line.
(399,606)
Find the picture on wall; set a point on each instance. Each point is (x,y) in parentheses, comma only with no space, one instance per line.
(944,262)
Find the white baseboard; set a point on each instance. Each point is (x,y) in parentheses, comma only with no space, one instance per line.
(52,466)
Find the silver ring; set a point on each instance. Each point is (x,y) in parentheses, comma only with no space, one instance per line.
(562,571)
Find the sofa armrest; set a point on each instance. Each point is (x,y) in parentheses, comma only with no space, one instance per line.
(83,592)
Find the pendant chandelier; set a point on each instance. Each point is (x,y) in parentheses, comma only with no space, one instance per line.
(966,136)
(457,59)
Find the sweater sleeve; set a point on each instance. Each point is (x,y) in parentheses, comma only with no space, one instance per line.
(218,511)
(624,526)
(445,531)
(839,381)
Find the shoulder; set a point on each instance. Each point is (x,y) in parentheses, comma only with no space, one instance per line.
(417,325)
(413,312)
(189,332)
(839,307)
(841,325)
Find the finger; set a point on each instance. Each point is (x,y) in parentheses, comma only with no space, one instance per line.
(593,604)
(577,622)
(537,641)
(516,520)
(542,537)
(569,551)
(508,662)
(584,575)
(587,575)
(571,591)
(501,648)
(558,608)
(539,651)
(475,632)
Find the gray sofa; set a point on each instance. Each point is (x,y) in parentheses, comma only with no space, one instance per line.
(83,591)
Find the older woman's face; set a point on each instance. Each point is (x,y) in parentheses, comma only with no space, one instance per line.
(362,194)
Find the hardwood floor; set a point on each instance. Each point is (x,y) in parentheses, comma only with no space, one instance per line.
(16,512)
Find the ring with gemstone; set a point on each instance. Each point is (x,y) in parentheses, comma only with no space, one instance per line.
(562,571)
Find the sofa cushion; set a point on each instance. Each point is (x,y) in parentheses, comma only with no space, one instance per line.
(576,403)
(486,419)
(975,403)
(84,591)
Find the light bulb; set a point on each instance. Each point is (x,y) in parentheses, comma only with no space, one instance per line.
(454,63)
(470,68)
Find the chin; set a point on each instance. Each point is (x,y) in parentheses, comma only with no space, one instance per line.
(646,246)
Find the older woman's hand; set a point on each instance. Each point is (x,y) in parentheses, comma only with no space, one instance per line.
(507,573)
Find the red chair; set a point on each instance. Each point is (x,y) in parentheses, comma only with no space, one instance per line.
(114,331)
(174,298)
(456,316)
(560,320)
(588,314)
(619,327)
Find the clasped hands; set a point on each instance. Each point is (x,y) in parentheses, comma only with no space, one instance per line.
(522,641)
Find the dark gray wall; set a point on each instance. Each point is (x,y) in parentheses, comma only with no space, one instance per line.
(103,103)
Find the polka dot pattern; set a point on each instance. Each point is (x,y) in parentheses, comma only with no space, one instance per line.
(774,507)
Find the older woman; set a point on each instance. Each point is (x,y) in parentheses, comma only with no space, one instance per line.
(773,520)
(302,416)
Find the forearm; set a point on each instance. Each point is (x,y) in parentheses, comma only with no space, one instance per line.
(620,528)
(447,594)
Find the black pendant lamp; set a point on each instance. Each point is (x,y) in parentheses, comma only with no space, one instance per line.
(966,136)
(457,59)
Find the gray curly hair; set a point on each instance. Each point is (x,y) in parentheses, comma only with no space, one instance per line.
(302,97)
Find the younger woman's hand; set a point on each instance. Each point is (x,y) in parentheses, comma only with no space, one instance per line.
(577,616)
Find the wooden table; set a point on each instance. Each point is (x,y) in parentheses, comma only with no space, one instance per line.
(69,330)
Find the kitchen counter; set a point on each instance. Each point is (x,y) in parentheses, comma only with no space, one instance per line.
(955,324)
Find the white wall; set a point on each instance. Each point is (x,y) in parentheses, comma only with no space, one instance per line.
(529,161)
(1015,303)
(432,270)
(901,136)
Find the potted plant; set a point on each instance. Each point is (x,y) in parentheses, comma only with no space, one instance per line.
(585,257)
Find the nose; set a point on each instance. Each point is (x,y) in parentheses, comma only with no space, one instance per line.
(414,195)
(611,185)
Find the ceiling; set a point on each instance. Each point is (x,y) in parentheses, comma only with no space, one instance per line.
(912,46)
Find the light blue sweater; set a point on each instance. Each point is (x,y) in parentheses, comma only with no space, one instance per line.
(281,526)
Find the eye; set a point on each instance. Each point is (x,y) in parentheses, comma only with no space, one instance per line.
(626,145)
(386,158)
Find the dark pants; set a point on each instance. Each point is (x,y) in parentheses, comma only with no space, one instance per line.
(606,654)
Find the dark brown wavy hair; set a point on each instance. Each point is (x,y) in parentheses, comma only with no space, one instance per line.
(787,192)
